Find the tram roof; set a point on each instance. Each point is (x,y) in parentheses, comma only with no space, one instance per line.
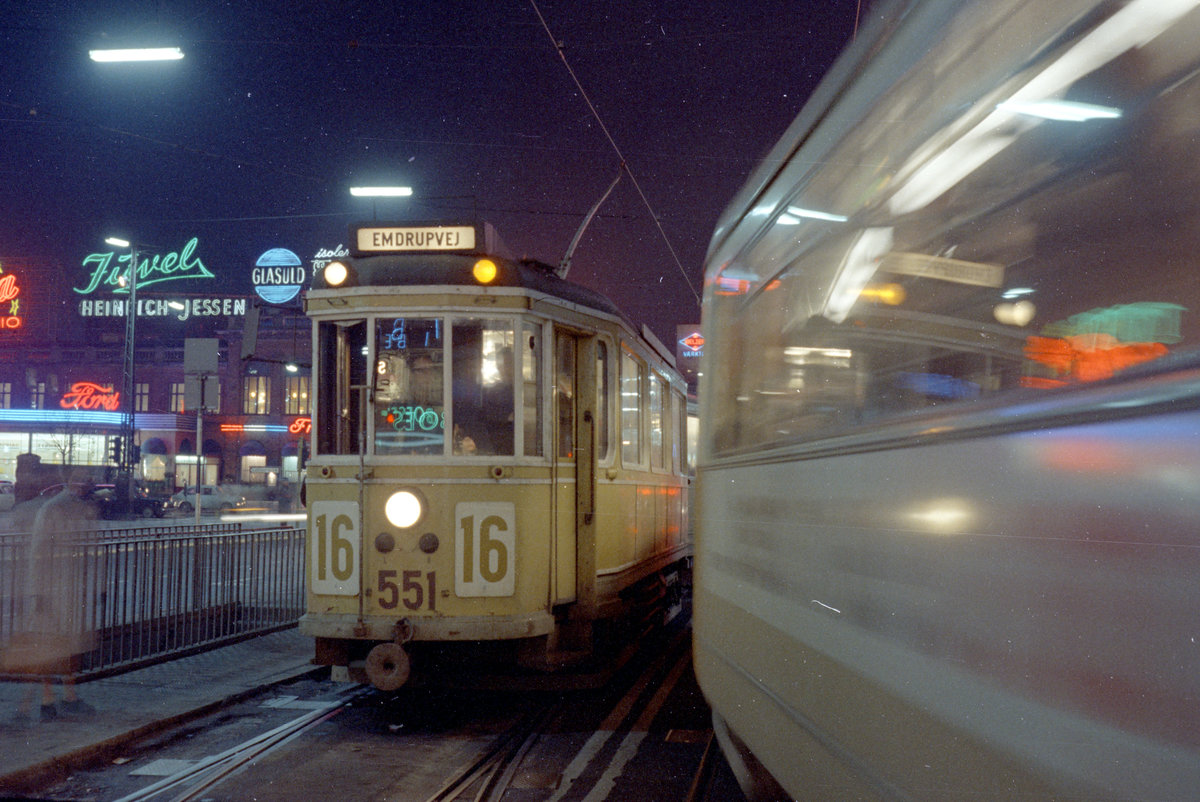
(456,269)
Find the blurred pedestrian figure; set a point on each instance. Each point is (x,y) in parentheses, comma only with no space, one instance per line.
(51,638)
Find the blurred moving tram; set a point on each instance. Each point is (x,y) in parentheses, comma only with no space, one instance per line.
(499,478)
(948,525)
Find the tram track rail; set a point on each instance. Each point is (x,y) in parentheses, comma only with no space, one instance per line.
(211,771)
(491,774)
(585,745)
(592,773)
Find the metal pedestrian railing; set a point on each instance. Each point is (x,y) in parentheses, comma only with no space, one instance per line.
(118,600)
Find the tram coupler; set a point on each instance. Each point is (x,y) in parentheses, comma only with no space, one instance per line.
(388,666)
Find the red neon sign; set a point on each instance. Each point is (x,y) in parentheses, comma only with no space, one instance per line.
(89,395)
(8,294)
(301,426)
(8,288)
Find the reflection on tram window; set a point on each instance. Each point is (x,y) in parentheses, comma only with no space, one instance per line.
(483,387)
(408,406)
(1008,239)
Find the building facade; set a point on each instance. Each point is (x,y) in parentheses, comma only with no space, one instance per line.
(63,368)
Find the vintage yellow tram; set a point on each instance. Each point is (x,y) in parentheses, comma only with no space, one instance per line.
(499,459)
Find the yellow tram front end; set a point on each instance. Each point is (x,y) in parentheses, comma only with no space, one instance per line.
(465,439)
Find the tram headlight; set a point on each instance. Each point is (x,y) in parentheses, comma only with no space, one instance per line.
(336,274)
(484,271)
(404,508)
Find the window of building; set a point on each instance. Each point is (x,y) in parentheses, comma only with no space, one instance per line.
(256,395)
(178,394)
(253,472)
(141,397)
(5,395)
(37,396)
(296,396)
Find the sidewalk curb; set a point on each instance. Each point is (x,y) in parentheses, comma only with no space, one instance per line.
(58,768)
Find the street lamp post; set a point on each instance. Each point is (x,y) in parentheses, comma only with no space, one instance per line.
(126,464)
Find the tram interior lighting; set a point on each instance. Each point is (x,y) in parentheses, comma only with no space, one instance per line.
(336,274)
(1061,110)
(858,266)
(795,213)
(484,271)
(404,509)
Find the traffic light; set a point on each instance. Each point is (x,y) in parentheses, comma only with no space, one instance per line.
(115,445)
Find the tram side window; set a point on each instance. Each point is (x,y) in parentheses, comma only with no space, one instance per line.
(531,378)
(657,423)
(343,370)
(602,393)
(409,409)
(1054,258)
(564,395)
(679,416)
(483,387)
(632,373)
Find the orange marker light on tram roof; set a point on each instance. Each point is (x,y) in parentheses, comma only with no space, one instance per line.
(485,271)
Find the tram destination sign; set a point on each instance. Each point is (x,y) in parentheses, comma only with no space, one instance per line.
(393,239)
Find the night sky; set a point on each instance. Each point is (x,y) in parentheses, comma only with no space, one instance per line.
(253,140)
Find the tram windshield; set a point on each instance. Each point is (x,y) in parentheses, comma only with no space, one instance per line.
(439,386)
(408,410)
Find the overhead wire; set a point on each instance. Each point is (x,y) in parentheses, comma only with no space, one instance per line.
(616,149)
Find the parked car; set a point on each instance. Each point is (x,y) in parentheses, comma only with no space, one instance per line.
(212,499)
(108,503)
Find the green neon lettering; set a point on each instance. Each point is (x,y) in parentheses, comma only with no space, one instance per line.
(182,264)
